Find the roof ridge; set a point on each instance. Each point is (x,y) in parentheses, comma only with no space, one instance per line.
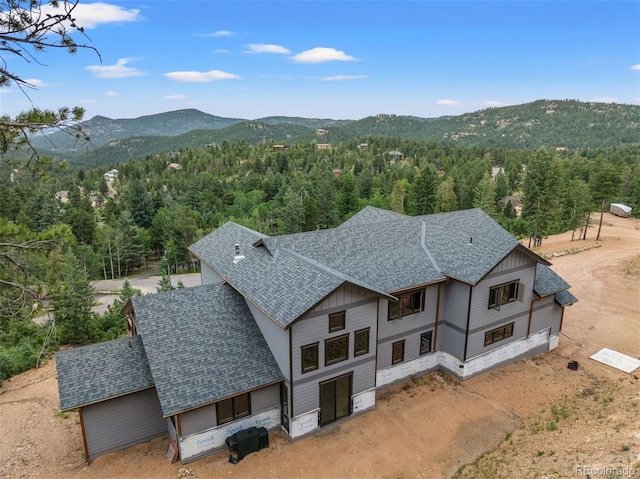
(423,243)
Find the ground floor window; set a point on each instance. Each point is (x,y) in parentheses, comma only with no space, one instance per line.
(425,342)
(498,334)
(397,352)
(233,408)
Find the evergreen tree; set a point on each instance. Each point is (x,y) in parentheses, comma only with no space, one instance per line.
(347,201)
(165,281)
(72,304)
(425,191)
(604,182)
(140,204)
(484,196)
(447,199)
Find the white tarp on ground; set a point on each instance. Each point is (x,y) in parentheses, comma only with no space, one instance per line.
(616,360)
(619,209)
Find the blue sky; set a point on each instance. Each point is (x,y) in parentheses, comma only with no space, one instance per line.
(336,59)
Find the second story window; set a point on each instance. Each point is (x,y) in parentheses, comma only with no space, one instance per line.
(408,303)
(337,321)
(505,293)
(309,357)
(336,349)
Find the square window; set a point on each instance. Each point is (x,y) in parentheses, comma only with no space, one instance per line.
(397,352)
(336,349)
(505,293)
(425,342)
(361,342)
(498,334)
(309,355)
(337,321)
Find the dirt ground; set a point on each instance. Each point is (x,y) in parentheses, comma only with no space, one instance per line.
(535,418)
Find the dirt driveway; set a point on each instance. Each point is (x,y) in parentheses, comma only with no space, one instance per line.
(535,418)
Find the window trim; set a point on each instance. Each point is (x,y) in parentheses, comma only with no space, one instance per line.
(342,315)
(401,308)
(329,362)
(498,334)
(315,366)
(234,413)
(430,335)
(355,342)
(393,352)
(501,294)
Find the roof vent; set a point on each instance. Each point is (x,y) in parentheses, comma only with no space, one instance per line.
(238,257)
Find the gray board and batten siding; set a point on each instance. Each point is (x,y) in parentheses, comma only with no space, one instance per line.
(111,385)
(360,308)
(408,328)
(515,267)
(122,422)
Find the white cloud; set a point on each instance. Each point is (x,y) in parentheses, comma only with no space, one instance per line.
(221,50)
(343,78)
(266,48)
(603,99)
(494,103)
(175,97)
(110,93)
(322,54)
(201,77)
(90,15)
(220,33)
(119,70)
(35,82)
(445,102)
(85,102)
(636,67)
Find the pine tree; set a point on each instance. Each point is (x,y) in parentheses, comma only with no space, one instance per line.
(72,304)
(425,190)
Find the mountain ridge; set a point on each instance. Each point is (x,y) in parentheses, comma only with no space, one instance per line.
(565,124)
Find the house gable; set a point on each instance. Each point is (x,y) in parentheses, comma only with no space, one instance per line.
(203,345)
(97,372)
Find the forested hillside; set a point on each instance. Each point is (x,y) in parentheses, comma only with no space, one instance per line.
(563,124)
(79,223)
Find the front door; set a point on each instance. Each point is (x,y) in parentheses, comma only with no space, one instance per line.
(335,398)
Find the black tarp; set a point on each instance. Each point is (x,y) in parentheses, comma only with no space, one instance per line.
(245,442)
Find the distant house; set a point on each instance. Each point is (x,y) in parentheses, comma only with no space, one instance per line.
(62,195)
(174,166)
(323,146)
(111,175)
(298,331)
(395,155)
(321,132)
(363,146)
(337,172)
(279,147)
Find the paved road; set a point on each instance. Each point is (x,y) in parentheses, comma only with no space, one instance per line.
(147,284)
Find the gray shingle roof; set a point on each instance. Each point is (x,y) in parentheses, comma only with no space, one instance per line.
(284,285)
(203,345)
(101,371)
(547,281)
(565,298)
